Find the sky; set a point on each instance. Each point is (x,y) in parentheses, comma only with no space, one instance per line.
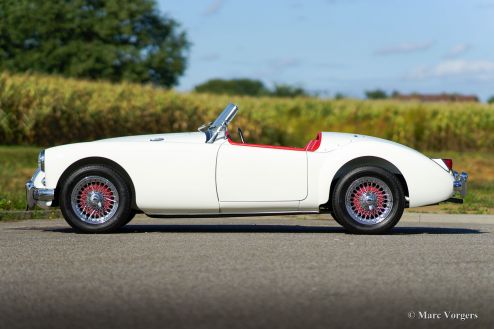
(341,46)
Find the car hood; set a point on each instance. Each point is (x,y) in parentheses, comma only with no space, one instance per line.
(190,137)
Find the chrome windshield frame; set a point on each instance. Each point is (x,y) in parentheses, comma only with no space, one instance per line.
(218,127)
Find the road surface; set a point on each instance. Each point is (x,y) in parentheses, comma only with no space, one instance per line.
(269,272)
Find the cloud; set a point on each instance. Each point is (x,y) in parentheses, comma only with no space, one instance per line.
(404,48)
(213,7)
(458,50)
(476,69)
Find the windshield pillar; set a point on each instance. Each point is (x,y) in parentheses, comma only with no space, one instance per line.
(218,127)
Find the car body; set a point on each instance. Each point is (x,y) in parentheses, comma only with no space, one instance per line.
(206,173)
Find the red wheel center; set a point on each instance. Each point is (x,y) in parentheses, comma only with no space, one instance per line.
(369,201)
(95,200)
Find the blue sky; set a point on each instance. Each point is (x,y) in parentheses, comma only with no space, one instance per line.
(346,46)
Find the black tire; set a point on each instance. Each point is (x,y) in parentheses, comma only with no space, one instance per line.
(331,212)
(96,199)
(131,216)
(368,200)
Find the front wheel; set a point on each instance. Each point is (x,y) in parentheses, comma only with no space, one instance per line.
(96,199)
(368,200)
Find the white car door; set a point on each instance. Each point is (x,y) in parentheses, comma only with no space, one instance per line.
(174,178)
(260,173)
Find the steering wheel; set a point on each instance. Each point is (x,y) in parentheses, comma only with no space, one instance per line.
(241,135)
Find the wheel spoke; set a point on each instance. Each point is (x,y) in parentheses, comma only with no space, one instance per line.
(95,200)
(369,200)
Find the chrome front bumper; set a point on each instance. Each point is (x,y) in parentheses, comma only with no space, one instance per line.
(42,197)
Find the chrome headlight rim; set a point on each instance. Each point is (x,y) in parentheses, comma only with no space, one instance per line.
(41,160)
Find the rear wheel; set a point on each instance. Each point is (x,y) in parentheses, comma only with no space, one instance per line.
(331,212)
(133,213)
(368,200)
(96,199)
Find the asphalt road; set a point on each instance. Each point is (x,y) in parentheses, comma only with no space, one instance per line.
(245,273)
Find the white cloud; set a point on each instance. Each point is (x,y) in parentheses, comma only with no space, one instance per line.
(213,7)
(477,69)
(458,50)
(404,48)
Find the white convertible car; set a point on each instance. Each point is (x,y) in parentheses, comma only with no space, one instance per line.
(363,182)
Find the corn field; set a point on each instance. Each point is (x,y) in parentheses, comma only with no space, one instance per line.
(46,111)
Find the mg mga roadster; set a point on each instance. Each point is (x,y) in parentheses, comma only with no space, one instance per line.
(364,182)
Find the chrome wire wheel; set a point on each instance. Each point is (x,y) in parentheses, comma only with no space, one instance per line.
(368,200)
(94,199)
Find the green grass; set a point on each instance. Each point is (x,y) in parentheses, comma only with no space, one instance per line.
(17,164)
(479,200)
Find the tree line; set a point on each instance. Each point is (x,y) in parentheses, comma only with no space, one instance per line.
(249,87)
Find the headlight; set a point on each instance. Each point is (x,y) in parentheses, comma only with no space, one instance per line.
(41,160)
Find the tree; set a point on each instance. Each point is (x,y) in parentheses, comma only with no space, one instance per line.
(395,94)
(491,100)
(284,90)
(376,94)
(339,95)
(96,39)
(247,87)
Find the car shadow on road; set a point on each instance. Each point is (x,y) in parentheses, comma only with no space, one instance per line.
(434,230)
(251,228)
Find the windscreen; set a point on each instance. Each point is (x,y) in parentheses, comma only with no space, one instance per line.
(219,125)
(226,116)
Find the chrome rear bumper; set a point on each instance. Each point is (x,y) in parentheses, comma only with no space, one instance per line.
(460,183)
(459,187)
(42,197)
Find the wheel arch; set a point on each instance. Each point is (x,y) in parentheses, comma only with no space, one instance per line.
(368,161)
(96,161)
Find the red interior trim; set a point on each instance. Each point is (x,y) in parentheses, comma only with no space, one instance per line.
(312,146)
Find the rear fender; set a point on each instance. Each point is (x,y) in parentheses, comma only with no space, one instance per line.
(426,181)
